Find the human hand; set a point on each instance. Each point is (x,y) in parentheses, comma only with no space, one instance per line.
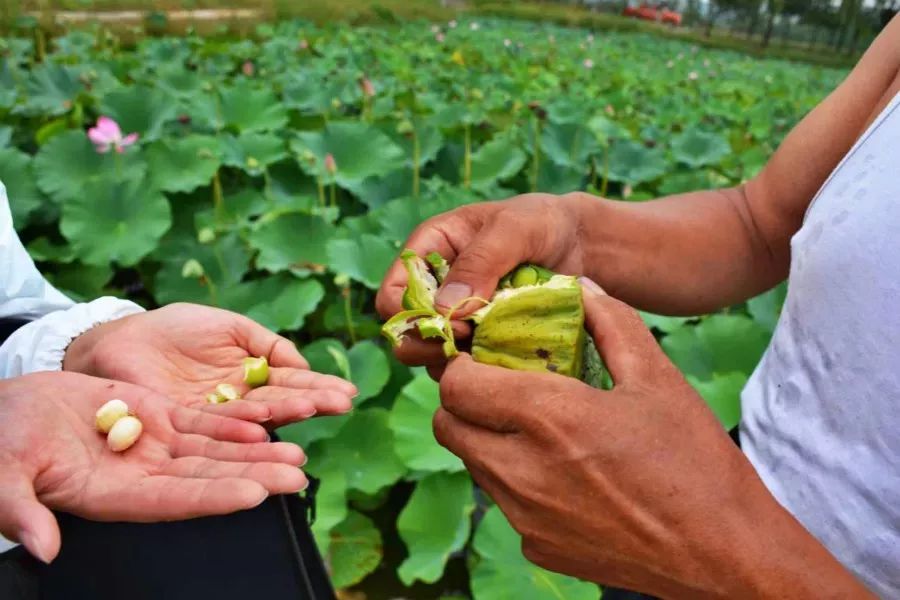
(184,350)
(483,242)
(638,487)
(186,463)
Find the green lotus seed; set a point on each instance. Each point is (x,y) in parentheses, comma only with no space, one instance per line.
(524,276)
(256,371)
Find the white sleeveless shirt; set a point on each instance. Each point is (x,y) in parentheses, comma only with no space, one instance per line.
(821,413)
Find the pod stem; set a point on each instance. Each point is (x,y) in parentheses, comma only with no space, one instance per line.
(348,313)
(218,202)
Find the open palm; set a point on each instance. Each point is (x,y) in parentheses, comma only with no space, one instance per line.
(185,350)
(187,463)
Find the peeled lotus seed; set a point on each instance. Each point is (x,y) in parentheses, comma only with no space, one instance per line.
(256,371)
(109,413)
(228,392)
(214,399)
(124,433)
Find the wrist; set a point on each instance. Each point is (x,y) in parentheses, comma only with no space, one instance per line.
(767,553)
(80,355)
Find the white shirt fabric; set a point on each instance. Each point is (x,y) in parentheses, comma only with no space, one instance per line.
(821,413)
(56,320)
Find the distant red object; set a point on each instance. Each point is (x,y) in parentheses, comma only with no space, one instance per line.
(653,13)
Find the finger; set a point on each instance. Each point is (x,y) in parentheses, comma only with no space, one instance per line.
(499,399)
(171,498)
(275,452)
(472,444)
(288,405)
(276,478)
(510,238)
(626,345)
(191,420)
(24,519)
(302,379)
(416,352)
(278,350)
(436,371)
(238,409)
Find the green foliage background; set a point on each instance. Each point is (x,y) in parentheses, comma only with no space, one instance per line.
(230,173)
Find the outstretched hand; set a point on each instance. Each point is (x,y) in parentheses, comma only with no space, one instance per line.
(184,350)
(187,463)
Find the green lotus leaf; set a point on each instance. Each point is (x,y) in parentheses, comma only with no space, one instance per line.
(434,524)
(281,302)
(253,152)
(355,550)
(363,449)
(21,189)
(360,151)
(633,163)
(569,145)
(410,420)
(68,163)
(365,259)
(9,91)
(5,136)
(183,165)
(115,221)
(292,241)
(766,308)
(502,572)
(710,347)
(51,90)
(723,395)
(248,108)
(696,148)
(225,262)
(80,282)
(497,160)
(140,110)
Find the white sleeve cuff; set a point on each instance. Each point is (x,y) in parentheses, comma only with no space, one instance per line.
(41,345)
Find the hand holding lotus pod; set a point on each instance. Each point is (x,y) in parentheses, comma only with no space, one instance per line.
(534,322)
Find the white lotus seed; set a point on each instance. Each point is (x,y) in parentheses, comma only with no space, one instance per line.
(228,392)
(215,399)
(124,433)
(109,413)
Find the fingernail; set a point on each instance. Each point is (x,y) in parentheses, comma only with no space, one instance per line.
(309,414)
(268,438)
(451,294)
(305,460)
(589,285)
(31,543)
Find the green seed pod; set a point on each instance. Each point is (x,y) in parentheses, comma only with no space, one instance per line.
(396,327)
(421,285)
(439,265)
(534,328)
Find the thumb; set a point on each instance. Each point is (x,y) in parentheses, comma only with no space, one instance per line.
(24,519)
(500,246)
(625,343)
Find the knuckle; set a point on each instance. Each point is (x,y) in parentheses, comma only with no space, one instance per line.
(440,423)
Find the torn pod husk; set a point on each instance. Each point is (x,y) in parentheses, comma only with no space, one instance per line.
(534,326)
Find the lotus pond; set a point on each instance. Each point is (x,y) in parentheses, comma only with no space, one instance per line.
(278,176)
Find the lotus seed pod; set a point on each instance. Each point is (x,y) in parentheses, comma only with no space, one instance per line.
(396,327)
(192,269)
(206,235)
(124,433)
(421,285)
(228,392)
(109,413)
(439,265)
(256,371)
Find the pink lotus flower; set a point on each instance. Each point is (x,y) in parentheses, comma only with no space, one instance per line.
(247,68)
(439,38)
(304,44)
(330,164)
(106,135)
(588,63)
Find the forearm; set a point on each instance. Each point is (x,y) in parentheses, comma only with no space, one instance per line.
(680,255)
(771,555)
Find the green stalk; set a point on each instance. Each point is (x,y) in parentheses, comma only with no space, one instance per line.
(213,295)
(321,188)
(467,168)
(348,314)
(416,155)
(218,200)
